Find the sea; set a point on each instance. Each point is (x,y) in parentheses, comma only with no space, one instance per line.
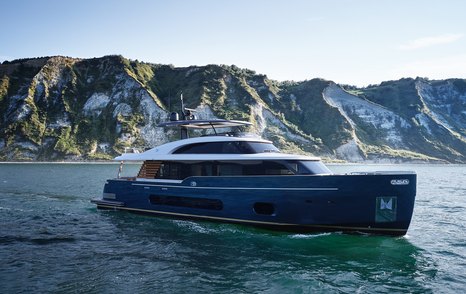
(53,240)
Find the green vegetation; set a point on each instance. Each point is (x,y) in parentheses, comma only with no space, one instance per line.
(315,117)
(66,143)
(4,84)
(399,96)
(42,109)
(372,151)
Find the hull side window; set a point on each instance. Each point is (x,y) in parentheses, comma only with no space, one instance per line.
(264,208)
(191,202)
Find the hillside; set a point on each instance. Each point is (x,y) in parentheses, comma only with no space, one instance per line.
(60,108)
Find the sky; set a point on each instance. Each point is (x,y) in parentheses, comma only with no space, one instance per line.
(355,42)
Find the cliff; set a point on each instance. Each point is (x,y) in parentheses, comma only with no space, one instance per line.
(61,108)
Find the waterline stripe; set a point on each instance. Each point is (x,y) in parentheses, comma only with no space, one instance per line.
(238,188)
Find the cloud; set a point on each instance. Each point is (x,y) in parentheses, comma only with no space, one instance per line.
(430,41)
(438,68)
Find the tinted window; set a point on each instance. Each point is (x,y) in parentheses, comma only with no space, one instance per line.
(235,147)
(262,147)
(309,167)
(203,203)
(179,170)
(173,170)
(264,208)
(266,168)
(230,169)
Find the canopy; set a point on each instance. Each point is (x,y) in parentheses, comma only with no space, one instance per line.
(205,124)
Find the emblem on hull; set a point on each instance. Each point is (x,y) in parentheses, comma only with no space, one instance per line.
(399,182)
(385,209)
(386,205)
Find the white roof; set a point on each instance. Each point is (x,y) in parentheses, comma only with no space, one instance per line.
(205,124)
(165,152)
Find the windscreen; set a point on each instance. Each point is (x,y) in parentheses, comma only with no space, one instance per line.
(309,167)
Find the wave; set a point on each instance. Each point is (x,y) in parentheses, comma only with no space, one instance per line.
(36,240)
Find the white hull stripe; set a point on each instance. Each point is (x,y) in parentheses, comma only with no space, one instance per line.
(238,188)
(251,221)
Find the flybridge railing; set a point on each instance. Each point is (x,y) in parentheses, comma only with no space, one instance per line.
(132,150)
(136,150)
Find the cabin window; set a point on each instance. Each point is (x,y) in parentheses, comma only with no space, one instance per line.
(207,168)
(266,168)
(231,147)
(207,148)
(259,147)
(181,170)
(229,169)
(311,168)
(173,171)
(264,208)
(191,202)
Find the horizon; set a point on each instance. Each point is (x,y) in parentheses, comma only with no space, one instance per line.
(356,43)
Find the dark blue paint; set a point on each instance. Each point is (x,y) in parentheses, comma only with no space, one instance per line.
(350,207)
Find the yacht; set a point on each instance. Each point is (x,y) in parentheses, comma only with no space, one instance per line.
(226,175)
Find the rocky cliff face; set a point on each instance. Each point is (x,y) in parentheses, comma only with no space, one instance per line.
(61,108)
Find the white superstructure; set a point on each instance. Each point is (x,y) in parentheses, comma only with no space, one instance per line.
(167,152)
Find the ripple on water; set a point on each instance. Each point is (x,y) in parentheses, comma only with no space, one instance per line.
(54,240)
(35,240)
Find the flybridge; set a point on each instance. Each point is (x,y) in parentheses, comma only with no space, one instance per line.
(213,125)
(189,121)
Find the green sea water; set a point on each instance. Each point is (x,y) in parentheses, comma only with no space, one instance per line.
(53,240)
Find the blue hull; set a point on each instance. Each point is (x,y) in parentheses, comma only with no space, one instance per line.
(370,203)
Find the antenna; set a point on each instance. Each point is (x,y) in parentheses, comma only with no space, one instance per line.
(183,131)
(183,116)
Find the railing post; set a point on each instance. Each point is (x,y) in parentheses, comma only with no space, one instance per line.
(120,169)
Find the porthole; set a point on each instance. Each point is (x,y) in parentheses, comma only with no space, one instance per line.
(264,208)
